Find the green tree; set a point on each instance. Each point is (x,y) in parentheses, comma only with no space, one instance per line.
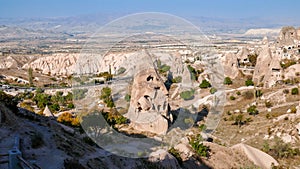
(249,82)
(30,77)
(227,81)
(204,84)
(295,91)
(106,97)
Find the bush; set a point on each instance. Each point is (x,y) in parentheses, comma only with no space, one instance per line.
(249,82)
(68,119)
(187,95)
(121,70)
(227,81)
(238,93)
(252,110)
(163,68)
(232,98)
(213,90)
(177,79)
(293,109)
(127,97)
(281,149)
(295,91)
(268,104)
(70,106)
(106,97)
(204,84)
(54,107)
(176,154)
(198,146)
(114,118)
(258,93)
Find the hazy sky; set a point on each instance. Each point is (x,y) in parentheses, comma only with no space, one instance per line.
(208,8)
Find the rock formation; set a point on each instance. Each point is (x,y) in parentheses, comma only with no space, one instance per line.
(267,69)
(148,109)
(229,62)
(287,36)
(58,64)
(47,112)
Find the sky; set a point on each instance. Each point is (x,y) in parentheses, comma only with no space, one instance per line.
(206,8)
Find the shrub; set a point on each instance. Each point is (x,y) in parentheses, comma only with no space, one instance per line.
(268,104)
(106,97)
(164,68)
(213,90)
(232,98)
(293,109)
(70,106)
(295,91)
(176,154)
(227,81)
(204,84)
(177,79)
(114,118)
(199,147)
(281,149)
(127,97)
(252,110)
(121,70)
(238,93)
(249,82)
(258,93)
(68,119)
(187,95)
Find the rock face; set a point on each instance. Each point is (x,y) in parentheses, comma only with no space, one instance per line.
(267,69)
(148,109)
(292,71)
(58,64)
(287,36)
(229,62)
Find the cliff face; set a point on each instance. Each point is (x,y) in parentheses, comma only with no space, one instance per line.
(57,64)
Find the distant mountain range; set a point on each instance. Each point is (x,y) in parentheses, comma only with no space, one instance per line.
(91,23)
